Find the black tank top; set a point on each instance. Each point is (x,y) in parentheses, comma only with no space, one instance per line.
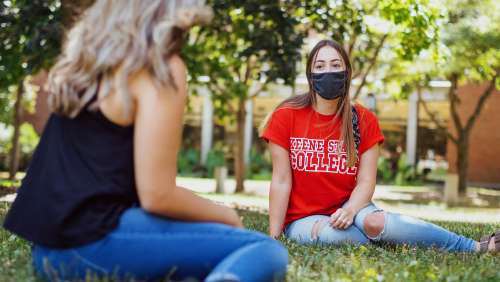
(80,181)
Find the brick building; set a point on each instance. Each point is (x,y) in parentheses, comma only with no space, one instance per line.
(484,148)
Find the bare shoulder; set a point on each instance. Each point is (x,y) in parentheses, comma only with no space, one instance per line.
(178,68)
(144,84)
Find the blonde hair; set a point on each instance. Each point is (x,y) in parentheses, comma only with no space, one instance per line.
(114,39)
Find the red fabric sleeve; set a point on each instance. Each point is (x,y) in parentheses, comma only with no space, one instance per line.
(371,133)
(278,128)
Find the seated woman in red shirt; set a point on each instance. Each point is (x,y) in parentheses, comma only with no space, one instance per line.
(324,152)
(100,199)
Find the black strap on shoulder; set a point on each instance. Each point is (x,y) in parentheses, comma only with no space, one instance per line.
(91,104)
(355,128)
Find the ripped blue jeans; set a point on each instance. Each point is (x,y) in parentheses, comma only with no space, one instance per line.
(398,229)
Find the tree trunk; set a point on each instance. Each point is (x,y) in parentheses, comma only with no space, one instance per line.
(239,162)
(464,131)
(14,152)
(462,162)
(461,138)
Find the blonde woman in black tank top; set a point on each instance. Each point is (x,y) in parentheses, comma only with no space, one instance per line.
(100,195)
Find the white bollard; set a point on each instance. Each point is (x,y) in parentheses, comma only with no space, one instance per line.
(220,174)
(451,189)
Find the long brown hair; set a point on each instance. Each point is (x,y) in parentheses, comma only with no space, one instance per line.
(344,109)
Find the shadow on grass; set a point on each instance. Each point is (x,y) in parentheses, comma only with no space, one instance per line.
(425,195)
(331,263)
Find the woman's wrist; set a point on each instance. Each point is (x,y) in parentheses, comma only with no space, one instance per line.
(353,207)
(349,208)
(274,234)
(232,218)
(274,231)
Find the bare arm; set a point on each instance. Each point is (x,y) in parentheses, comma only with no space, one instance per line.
(367,178)
(279,193)
(362,193)
(158,131)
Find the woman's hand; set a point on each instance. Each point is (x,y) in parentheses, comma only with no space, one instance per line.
(234,218)
(274,234)
(342,218)
(362,193)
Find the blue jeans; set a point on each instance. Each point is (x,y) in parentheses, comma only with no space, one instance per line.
(398,229)
(149,247)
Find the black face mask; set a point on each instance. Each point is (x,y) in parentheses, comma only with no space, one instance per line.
(329,85)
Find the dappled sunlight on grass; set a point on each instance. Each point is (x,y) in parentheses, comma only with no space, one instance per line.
(431,211)
(315,263)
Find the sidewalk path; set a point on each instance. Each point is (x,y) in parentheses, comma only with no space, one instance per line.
(395,199)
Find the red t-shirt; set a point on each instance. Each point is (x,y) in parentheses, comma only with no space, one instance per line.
(321,180)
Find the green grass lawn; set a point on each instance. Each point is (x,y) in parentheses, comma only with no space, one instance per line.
(344,263)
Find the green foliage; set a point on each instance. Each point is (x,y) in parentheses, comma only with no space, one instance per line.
(31,37)
(385,173)
(375,33)
(30,41)
(28,141)
(403,174)
(215,158)
(9,183)
(315,263)
(188,161)
(406,174)
(467,48)
(260,166)
(7,104)
(415,25)
(247,45)
(471,36)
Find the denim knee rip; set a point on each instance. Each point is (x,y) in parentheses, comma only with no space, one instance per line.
(381,233)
